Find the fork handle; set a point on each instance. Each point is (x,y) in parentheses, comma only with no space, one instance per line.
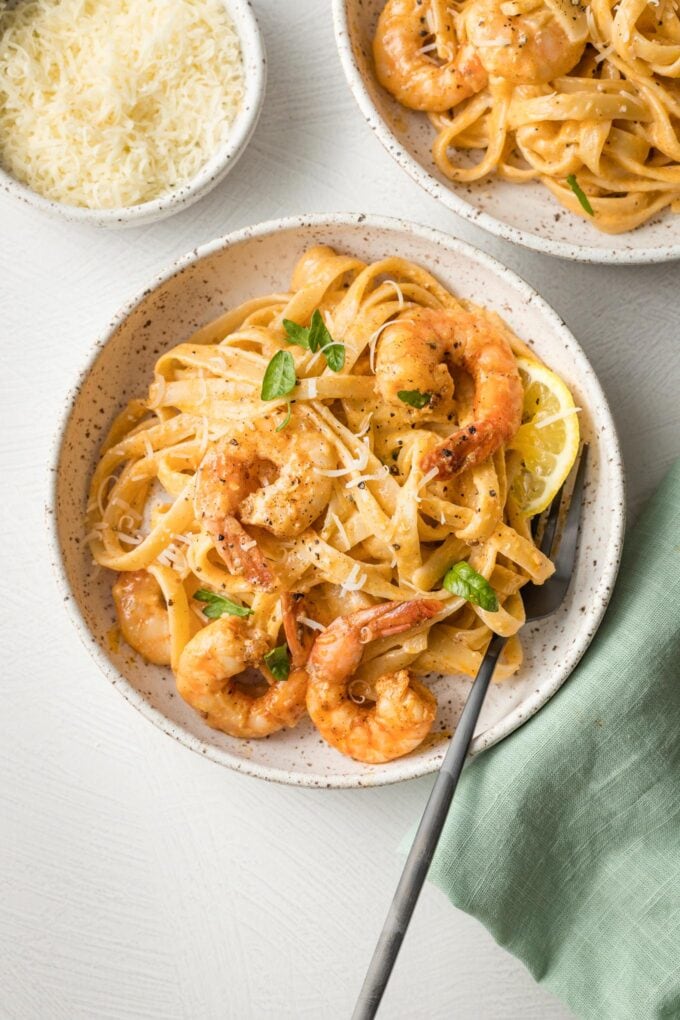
(425,842)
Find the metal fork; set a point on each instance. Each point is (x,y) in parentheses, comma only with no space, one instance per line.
(539,601)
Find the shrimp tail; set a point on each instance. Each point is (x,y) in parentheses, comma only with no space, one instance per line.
(240,552)
(463,449)
(393,618)
(300,646)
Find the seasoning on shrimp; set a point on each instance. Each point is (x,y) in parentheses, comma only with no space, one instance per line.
(404,709)
(218,655)
(261,477)
(414,354)
(409,74)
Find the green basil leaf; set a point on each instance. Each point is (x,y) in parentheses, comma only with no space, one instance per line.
(464,581)
(286,420)
(278,662)
(318,334)
(580,194)
(296,334)
(335,357)
(414,398)
(279,377)
(218,605)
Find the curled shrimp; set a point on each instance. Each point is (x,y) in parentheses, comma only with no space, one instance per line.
(143,615)
(521,41)
(404,709)
(213,660)
(413,353)
(263,478)
(409,74)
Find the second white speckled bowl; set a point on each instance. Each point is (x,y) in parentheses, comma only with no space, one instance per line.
(217,167)
(259,260)
(524,214)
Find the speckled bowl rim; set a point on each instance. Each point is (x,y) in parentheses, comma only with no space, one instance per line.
(408,767)
(454,200)
(217,167)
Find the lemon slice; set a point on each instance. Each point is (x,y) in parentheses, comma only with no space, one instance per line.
(547,440)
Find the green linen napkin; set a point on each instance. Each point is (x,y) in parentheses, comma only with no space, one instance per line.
(564,840)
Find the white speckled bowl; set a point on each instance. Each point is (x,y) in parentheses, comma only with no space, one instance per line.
(217,167)
(524,214)
(258,260)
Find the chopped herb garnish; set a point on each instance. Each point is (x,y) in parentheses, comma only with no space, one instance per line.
(316,337)
(414,398)
(464,581)
(279,378)
(580,194)
(318,333)
(296,334)
(335,356)
(218,605)
(282,425)
(278,662)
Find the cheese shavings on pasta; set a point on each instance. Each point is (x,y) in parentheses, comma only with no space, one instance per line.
(113,103)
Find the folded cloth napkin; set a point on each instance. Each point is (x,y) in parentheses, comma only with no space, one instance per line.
(564,840)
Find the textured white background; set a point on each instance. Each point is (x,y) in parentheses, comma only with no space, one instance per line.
(137,879)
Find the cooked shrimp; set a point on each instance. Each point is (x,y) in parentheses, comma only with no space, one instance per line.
(221,652)
(528,46)
(412,354)
(143,615)
(263,478)
(404,709)
(409,74)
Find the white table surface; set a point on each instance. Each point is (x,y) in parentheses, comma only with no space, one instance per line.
(137,879)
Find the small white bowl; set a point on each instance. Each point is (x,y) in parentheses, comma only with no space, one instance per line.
(259,260)
(217,167)
(525,214)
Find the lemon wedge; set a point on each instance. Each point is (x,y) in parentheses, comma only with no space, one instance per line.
(547,440)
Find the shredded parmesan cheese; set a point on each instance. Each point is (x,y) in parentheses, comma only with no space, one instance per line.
(426,479)
(356,465)
(354,580)
(340,527)
(109,104)
(551,418)
(368,478)
(314,624)
(373,340)
(399,291)
(365,425)
(101,491)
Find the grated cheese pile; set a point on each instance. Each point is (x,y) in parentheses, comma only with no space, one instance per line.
(107,103)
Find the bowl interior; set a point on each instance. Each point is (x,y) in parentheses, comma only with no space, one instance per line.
(216,167)
(525,214)
(258,261)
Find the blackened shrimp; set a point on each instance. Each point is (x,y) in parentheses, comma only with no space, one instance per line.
(413,354)
(409,74)
(212,662)
(404,708)
(143,615)
(258,476)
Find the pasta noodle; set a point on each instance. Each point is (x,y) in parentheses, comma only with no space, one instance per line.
(584,97)
(382,529)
